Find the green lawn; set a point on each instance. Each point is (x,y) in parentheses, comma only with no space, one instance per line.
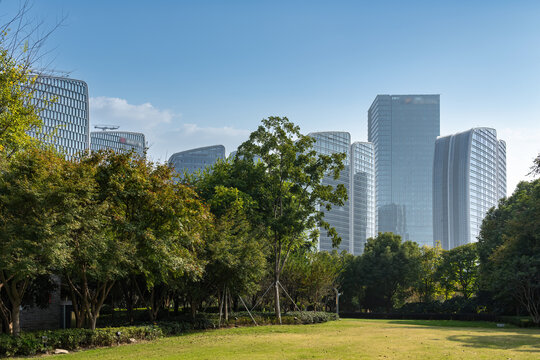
(344,339)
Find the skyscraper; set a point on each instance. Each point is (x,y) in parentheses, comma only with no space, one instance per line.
(403,130)
(339,217)
(469,177)
(118,141)
(363,195)
(355,220)
(66,123)
(197,159)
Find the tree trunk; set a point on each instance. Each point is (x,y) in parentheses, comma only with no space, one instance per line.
(5,315)
(193,308)
(276,298)
(15,318)
(226,301)
(176,305)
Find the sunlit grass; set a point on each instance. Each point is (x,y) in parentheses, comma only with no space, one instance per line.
(344,339)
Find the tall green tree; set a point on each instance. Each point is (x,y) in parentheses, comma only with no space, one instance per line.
(458,270)
(389,269)
(427,285)
(159,221)
(95,257)
(237,260)
(290,196)
(29,241)
(509,248)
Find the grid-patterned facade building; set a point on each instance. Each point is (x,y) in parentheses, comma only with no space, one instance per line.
(403,130)
(355,220)
(196,159)
(469,177)
(64,111)
(118,141)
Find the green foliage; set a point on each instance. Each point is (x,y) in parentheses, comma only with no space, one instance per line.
(310,277)
(427,282)
(535,169)
(289,192)
(30,244)
(389,269)
(509,247)
(458,270)
(73,339)
(18,112)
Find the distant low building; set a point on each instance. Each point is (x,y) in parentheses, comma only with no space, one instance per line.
(198,159)
(469,177)
(118,141)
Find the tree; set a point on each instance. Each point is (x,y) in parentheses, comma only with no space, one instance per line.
(311,277)
(159,221)
(351,281)
(427,284)
(237,258)
(18,113)
(458,270)
(29,241)
(95,257)
(289,194)
(389,268)
(21,47)
(509,248)
(535,169)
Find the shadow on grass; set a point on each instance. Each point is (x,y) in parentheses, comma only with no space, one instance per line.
(504,342)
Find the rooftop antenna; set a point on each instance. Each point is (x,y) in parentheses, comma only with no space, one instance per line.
(106,127)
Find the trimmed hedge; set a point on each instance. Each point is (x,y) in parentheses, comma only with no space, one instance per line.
(32,343)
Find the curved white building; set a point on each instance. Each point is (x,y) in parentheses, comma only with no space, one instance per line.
(469,177)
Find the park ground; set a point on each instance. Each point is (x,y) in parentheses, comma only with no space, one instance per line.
(343,339)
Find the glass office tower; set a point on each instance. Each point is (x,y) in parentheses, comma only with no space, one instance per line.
(355,220)
(197,159)
(66,123)
(118,141)
(328,143)
(403,130)
(363,195)
(469,177)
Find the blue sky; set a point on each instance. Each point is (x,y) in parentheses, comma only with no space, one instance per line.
(197,73)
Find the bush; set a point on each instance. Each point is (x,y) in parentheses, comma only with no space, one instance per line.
(72,339)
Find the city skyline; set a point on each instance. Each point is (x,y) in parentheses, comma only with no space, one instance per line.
(208,73)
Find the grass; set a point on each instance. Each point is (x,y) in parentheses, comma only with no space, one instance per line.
(344,339)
